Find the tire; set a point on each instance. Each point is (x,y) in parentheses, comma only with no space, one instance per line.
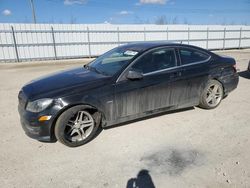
(212,95)
(77,126)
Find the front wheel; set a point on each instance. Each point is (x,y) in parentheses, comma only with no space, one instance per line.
(212,95)
(77,126)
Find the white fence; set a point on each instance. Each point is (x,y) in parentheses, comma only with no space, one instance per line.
(23,42)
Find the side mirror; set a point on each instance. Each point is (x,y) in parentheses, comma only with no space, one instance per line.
(134,75)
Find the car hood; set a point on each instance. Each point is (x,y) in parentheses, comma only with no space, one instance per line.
(63,83)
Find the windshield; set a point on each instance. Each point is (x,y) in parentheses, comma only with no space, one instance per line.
(112,61)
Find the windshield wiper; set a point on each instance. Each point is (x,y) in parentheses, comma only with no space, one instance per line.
(95,69)
(86,66)
(91,68)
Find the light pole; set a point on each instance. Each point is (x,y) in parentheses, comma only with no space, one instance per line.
(33,11)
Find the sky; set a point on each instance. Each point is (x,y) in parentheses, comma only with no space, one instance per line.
(127,12)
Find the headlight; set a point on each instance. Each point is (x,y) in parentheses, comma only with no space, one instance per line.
(38,105)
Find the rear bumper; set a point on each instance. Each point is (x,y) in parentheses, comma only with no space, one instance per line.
(33,128)
(230,82)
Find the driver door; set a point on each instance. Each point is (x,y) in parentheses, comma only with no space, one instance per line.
(155,91)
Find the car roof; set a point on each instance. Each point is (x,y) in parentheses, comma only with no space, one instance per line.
(144,46)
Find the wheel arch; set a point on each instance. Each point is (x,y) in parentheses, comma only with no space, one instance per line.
(215,75)
(88,106)
(219,80)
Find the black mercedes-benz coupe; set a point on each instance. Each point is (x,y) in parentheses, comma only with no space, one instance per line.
(126,83)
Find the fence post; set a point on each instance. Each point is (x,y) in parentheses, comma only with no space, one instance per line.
(15,44)
(144,34)
(188,35)
(89,42)
(118,36)
(207,37)
(54,42)
(240,38)
(224,38)
(167,33)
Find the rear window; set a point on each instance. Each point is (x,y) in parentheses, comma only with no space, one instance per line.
(192,56)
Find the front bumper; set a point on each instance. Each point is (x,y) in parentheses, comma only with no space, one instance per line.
(35,129)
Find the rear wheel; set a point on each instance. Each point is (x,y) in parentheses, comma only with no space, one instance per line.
(77,126)
(212,95)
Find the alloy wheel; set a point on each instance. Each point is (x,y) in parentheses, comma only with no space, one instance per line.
(79,127)
(214,95)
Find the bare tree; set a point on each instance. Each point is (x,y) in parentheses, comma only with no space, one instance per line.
(52,20)
(147,21)
(244,23)
(175,20)
(72,19)
(224,21)
(232,23)
(138,20)
(161,20)
(26,20)
(185,21)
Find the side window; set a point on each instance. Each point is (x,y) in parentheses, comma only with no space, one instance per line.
(156,60)
(191,56)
